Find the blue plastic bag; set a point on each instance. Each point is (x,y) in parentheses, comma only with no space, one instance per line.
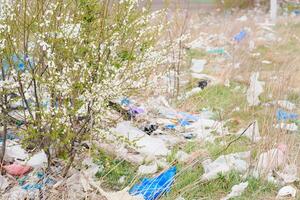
(282,115)
(240,36)
(153,188)
(184,122)
(170,126)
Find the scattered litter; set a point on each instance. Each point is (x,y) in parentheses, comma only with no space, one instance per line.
(152,188)
(283,115)
(289,174)
(149,129)
(202,84)
(225,164)
(39,160)
(14,151)
(271,160)
(286,104)
(236,191)
(287,191)
(242,18)
(198,65)
(148,169)
(289,127)
(3,183)
(189,135)
(16,169)
(123,194)
(125,102)
(170,126)
(255,89)
(240,36)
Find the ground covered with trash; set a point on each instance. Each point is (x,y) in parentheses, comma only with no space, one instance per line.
(232,133)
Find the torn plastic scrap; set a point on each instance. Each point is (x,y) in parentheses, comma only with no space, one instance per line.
(198,65)
(270,160)
(287,191)
(225,164)
(236,191)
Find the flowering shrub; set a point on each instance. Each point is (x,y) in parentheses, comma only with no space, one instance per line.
(66,59)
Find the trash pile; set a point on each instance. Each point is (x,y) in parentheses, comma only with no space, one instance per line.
(146,132)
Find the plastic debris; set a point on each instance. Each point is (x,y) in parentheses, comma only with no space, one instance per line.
(148,169)
(252,132)
(270,160)
(153,188)
(145,144)
(35,186)
(3,183)
(170,126)
(125,102)
(149,129)
(287,191)
(39,160)
(242,18)
(283,115)
(236,191)
(202,84)
(225,164)
(182,156)
(184,122)
(14,151)
(240,36)
(204,127)
(289,174)
(16,169)
(289,127)
(198,65)
(286,104)
(255,89)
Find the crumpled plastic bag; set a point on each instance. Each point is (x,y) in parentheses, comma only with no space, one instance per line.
(271,160)
(14,151)
(16,169)
(286,191)
(198,65)
(236,191)
(289,174)
(148,169)
(225,164)
(38,160)
(145,144)
(153,188)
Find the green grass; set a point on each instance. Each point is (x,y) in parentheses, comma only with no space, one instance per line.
(196,54)
(219,97)
(240,145)
(113,170)
(188,186)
